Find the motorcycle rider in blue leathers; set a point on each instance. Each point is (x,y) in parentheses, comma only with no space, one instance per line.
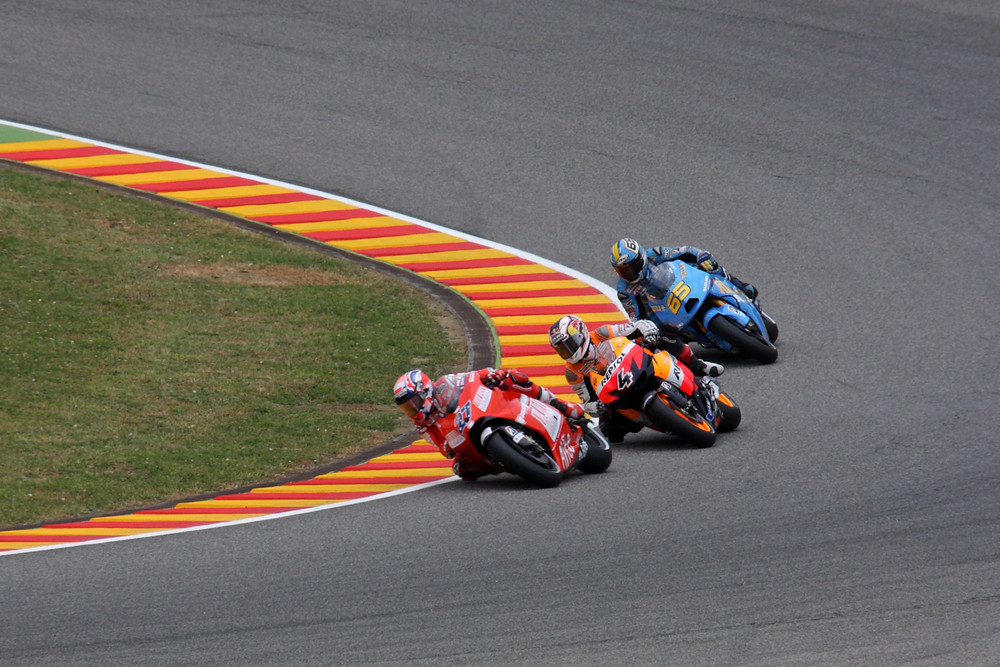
(630,261)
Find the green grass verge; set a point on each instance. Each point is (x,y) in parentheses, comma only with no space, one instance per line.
(149,353)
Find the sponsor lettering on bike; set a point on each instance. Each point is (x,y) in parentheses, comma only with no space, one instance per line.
(565,447)
(482,398)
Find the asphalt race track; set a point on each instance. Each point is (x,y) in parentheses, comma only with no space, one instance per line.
(843,156)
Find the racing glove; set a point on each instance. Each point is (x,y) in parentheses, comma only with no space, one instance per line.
(649,331)
(495,377)
(706,262)
(701,367)
(503,378)
(518,381)
(595,408)
(569,410)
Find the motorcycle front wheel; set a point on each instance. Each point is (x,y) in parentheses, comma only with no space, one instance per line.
(598,457)
(529,465)
(693,428)
(749,344)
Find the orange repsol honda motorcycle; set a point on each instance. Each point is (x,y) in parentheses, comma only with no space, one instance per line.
(653,389)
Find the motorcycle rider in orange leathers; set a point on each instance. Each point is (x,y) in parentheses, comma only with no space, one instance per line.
(425,402)
(577,346)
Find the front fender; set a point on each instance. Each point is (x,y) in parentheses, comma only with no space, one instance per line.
(723,309)
(727,310)
(485,427)
(735,307)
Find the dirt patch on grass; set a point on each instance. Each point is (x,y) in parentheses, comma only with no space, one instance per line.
(229,273)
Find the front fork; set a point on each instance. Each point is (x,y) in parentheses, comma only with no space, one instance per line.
(704,400)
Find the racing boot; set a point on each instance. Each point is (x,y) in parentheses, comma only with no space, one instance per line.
(615,428)
(613,432)
(746,288)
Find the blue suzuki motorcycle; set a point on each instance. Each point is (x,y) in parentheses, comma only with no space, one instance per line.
(707,309)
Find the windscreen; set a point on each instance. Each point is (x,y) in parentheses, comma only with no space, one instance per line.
(661,277)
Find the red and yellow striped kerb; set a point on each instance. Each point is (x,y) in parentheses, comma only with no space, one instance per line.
(520,296)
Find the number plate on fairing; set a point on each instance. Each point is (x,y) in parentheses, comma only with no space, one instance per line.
(462,417)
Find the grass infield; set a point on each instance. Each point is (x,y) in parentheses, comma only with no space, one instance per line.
(149,353)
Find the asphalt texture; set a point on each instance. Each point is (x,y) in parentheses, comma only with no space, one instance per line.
(843,156)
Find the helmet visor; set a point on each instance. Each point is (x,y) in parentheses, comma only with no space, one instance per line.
(631,271)
(565,348)
(569,348)
(411,405)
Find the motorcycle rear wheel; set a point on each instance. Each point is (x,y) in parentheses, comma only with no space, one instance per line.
(731,414)
(747,343)
(539,470)
(673,420)
(772,327)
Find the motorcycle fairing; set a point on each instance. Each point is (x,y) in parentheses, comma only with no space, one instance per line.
(685,298)
(622,372)
(543,413)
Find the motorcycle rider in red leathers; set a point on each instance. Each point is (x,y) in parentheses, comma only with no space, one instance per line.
(577,346)
(425,402)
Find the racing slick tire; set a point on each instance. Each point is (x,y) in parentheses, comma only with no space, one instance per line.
(750,344)
(772,326)
(598,457)
(731,414)
(692,428)
(533,466)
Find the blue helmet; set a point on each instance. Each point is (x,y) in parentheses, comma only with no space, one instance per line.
(628,259)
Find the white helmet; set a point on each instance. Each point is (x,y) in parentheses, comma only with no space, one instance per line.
(570,339)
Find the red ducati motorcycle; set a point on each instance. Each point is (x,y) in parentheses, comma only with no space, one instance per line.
(513,433)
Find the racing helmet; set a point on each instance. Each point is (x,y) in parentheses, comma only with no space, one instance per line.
(628,259)
(414,394)
(569,337)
